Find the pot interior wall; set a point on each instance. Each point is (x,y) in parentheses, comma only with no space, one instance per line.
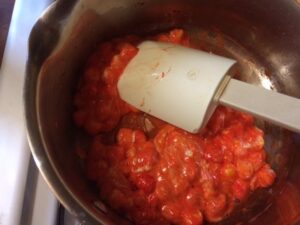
(262,37)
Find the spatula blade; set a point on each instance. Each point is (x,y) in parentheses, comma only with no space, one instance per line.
(174,83)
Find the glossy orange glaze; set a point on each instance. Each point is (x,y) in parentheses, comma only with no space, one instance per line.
(155,173)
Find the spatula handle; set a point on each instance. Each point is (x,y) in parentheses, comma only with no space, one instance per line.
(272,106)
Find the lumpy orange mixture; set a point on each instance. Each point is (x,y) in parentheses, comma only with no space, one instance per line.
(155,173)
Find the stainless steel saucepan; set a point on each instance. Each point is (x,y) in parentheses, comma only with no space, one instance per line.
(263,36)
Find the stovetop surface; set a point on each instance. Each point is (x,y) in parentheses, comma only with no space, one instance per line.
(24,196)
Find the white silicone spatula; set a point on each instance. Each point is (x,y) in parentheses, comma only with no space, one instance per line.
(183,86)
